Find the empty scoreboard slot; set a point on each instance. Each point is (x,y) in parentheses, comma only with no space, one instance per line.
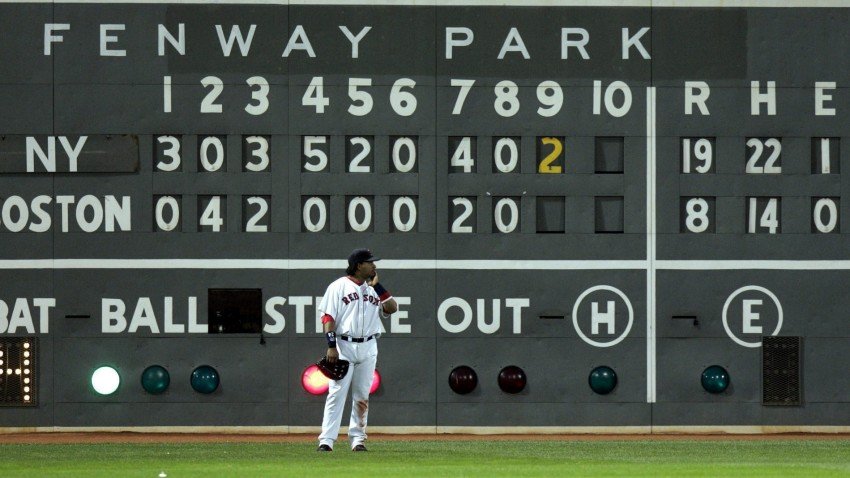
(609,155)
(609,214)
(235,311)
(550,214)
(78,316)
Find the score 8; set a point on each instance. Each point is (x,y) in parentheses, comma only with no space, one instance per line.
(698,214)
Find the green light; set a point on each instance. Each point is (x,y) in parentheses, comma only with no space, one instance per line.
(155,379)
(205,379)
(105,380)
(602,380)
(715,379)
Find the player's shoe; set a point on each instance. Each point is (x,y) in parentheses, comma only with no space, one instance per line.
(359,447)
(324,448)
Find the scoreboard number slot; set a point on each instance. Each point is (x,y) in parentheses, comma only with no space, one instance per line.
(506,217)
(255,213)
(825,215)
(211,151)
(403,154)
(255,154)
(550,155)
(505,154)
(698,155)
(698,214)
(212,217)
(358,152)
(359,213)
(825,155)
(167,213)
(315,151)
(460,215)
(763,215)
(314,213)
(167,153)
(764,156)
(404,213)
(462,153)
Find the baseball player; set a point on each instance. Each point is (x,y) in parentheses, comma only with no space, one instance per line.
(352,308)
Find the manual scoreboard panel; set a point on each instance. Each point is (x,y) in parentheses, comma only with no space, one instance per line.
(552,187)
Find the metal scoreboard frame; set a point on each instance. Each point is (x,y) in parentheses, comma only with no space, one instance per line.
(643,186)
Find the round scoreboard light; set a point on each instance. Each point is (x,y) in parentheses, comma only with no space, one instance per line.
(155,379)
(314,381)
(463,380)
(715,379)
(376,382)
(205,379)
(105,380)
(512,379)
(602,380)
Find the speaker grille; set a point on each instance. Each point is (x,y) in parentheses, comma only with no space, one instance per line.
(782,383)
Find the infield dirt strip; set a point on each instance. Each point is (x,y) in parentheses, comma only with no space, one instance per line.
(129,437)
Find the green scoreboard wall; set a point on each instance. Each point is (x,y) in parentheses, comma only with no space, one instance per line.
(555,186)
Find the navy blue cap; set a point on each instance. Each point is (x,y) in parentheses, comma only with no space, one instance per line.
(361,255)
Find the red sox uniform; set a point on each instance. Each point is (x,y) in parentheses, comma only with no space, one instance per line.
(355,308)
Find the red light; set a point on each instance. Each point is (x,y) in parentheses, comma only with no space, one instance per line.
(376,382)
(314,381)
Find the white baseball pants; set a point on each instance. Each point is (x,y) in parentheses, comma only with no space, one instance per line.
(362,357)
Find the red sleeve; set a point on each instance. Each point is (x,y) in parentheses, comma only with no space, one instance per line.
(327,318)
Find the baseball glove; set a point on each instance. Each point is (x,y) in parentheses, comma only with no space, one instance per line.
(334,371)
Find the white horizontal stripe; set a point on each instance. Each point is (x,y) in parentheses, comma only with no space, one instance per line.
(487,3)
(796,265)
(459,430)
(421,264)
(306,264)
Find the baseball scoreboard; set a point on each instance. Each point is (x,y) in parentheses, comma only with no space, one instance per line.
(590,213)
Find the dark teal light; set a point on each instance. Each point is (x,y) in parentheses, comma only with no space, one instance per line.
(205,379)
(155,379)
(602,380)
(715,379)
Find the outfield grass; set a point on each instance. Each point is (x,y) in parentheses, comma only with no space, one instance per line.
(786,458)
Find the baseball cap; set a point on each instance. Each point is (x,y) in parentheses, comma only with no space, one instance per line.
(361,255)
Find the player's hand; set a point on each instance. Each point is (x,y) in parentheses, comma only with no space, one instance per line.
(373,280)
(332,355)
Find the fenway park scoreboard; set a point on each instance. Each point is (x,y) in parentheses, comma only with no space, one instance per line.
(614,213)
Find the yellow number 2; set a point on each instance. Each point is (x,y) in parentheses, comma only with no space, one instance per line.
(545,165)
